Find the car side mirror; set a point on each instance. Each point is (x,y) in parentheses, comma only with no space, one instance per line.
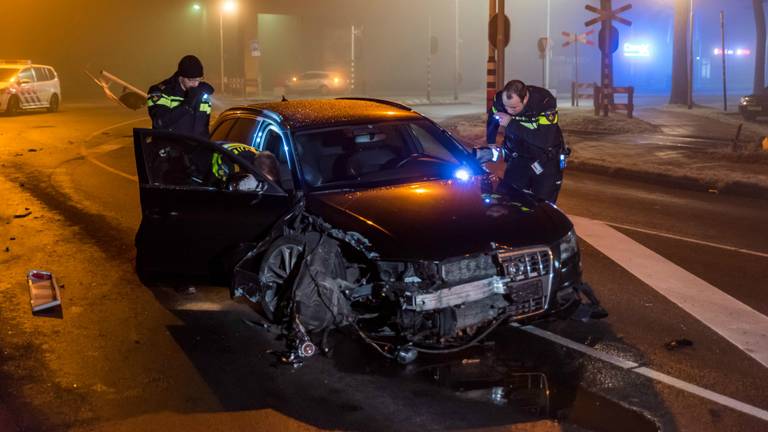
(25,81)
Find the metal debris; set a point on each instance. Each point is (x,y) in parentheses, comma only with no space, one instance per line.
(678,343)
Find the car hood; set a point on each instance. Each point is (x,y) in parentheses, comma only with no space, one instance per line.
(434,220)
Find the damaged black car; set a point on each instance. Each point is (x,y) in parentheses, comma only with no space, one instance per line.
(359,214)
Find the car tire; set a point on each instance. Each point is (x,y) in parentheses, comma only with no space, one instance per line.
(53,103)
(277,270)
(13,107)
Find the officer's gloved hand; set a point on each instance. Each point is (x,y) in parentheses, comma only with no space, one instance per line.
(194,95)
(486,154)
(205,88)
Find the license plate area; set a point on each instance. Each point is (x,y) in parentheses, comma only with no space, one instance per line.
(524,292)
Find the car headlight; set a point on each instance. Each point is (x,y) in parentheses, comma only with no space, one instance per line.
(745,100)
(569,246)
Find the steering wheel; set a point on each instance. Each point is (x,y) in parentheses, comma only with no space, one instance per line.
(418,156)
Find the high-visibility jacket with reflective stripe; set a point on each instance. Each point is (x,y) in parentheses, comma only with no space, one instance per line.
(533,133)
(221,168)
(169,111)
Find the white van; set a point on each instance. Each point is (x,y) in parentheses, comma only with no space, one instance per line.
(25,86)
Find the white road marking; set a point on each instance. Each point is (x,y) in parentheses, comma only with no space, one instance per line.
(650,373)
(101,149)
(735,321)
(100,131)
(690,240)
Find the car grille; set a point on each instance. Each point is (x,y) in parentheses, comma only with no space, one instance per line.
(530,279)
(467,268)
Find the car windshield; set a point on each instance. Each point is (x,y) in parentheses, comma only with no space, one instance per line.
(7,73)
(354,155)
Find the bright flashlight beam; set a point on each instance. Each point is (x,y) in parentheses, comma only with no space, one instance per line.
(462,174)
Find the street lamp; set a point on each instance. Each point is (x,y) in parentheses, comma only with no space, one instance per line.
(228,6)
(690,60)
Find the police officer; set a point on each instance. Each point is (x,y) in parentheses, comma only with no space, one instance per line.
(182,102)
(534,148)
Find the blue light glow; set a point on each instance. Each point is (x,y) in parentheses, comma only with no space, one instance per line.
(637,49)
(462,174)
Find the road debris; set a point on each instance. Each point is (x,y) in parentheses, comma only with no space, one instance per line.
(678,343)
(22,215)
(43,290)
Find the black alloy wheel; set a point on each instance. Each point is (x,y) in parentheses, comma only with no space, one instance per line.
(277,271)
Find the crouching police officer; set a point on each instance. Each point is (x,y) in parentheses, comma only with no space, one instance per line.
(182,102)
(230,175)
(534,148)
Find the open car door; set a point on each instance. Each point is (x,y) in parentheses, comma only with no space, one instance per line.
(192,219)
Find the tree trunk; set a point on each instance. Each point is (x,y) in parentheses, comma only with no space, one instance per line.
(759,82)
(679,92)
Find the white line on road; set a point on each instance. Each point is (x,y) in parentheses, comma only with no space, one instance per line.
(676,237)
(101,131)
(87,156)
(735,321)
(650,373)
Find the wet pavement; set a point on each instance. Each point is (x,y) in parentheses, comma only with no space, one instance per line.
(123,356)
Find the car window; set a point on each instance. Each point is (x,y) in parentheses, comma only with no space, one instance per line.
(243,131)
(429,143)
(51,73)
(26,74)
(40,74)
(270,139)
(391,151)
(177,161)
(222,130)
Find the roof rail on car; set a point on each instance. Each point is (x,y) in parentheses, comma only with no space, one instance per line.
(381,101)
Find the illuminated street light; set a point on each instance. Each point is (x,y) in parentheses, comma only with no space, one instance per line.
(230,7)
(196,7)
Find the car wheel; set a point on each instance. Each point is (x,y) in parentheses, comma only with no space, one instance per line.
(277,272)
(53,103)
(749,116)
(13,107)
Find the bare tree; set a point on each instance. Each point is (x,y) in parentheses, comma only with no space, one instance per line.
(759,81)
(679,92)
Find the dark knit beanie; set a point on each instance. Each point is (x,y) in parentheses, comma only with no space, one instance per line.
(190,67)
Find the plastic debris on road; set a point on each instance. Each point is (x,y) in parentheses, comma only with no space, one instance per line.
(43,290)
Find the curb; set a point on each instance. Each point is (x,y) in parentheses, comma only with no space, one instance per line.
(737,188)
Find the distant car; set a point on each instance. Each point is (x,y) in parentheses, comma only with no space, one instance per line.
(317,82)
(26,86)
(753,106)
(375,219)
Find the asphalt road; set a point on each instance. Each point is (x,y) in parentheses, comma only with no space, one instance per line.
(122,356)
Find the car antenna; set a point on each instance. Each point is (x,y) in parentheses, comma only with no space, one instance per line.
(284,99)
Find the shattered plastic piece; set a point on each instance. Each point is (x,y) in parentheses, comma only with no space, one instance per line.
(678,343)
(22,215)
(43,290)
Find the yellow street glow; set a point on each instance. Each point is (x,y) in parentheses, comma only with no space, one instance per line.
(229,6)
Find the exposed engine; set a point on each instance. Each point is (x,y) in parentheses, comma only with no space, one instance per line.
(423,306)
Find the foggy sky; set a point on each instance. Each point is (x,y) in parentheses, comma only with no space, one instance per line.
(141,40)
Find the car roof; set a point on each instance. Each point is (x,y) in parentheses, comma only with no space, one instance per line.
(312,113)
(21,66)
